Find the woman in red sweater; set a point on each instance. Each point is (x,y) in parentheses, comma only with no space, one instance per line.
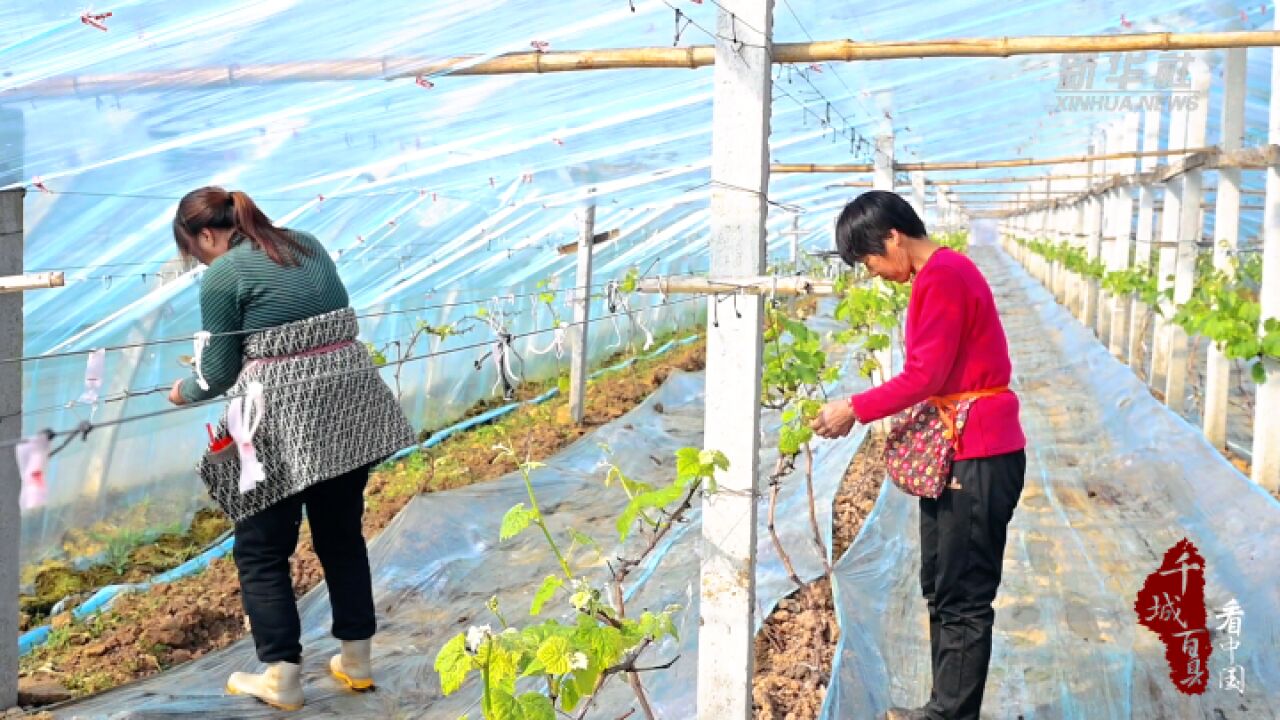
(954,344)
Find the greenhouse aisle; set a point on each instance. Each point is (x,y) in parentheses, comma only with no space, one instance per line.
(1114,480)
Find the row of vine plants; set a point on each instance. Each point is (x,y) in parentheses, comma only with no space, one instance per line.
(582,634)
(1223,307)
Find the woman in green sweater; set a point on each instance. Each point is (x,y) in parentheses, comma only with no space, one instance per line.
(283,344)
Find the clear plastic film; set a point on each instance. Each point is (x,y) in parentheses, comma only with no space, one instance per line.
(440,560)
(433,187)
(1113,481)
(139,476)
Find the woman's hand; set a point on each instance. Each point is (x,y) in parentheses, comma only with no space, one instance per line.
(175,394)
(835,420)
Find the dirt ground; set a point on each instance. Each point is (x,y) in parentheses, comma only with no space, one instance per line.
(795,648)
(148,632)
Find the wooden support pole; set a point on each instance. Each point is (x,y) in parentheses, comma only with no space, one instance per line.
(1005,180)
(1266,423)
(1123,250)
(742,284)
(578,363)
(1166,264)
(31,281)
(11,346)
(740,175)
(785,168)
(1226,235)
(620,58)
(1189,229)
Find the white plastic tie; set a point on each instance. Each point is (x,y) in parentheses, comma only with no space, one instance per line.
(557,343)
(33,459)
(93,373)
(201,341)
(648,336)
(244,415)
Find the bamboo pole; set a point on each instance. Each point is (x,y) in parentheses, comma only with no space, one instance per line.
(31,281)
(692,57)
(1042,193)
(984,164)
(1007,180)
(749,285)
(810,168)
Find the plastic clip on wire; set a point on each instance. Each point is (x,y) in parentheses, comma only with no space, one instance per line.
(244,415)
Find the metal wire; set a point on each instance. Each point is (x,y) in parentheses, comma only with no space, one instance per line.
(85,427)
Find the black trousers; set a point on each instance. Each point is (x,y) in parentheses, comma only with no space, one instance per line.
(962,537)
(265,541)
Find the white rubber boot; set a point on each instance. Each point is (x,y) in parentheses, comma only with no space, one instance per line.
(352,666)
(279,686)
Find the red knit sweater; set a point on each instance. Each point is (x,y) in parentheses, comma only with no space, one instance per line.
(955,343)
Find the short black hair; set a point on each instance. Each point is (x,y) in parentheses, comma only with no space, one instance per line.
(865,223)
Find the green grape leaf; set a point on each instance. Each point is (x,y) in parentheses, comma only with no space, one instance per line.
(547,591)
(554,655)
(515,522)
(537,706)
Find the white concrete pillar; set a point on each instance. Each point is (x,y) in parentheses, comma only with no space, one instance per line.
(1170,219)
(1123,219)
(883,179)
(578,363)
(1226,240)
(740,171)
(1266,424)
(1145,234)
(1190,225)
(11,346)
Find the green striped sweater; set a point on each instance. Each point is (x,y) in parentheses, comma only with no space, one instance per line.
(244,290)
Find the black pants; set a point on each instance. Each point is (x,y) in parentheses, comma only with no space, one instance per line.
(962,537)
(265,541)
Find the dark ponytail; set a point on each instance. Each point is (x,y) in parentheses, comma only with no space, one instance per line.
(215,208)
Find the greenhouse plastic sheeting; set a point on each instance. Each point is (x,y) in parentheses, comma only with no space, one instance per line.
(440,560)
(140,476)
(1113,481)
(444,189)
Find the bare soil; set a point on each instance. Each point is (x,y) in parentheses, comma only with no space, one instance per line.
(146,633)
(796,646)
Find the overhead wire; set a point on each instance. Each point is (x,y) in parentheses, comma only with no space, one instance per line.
(366,314)
(83,429)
